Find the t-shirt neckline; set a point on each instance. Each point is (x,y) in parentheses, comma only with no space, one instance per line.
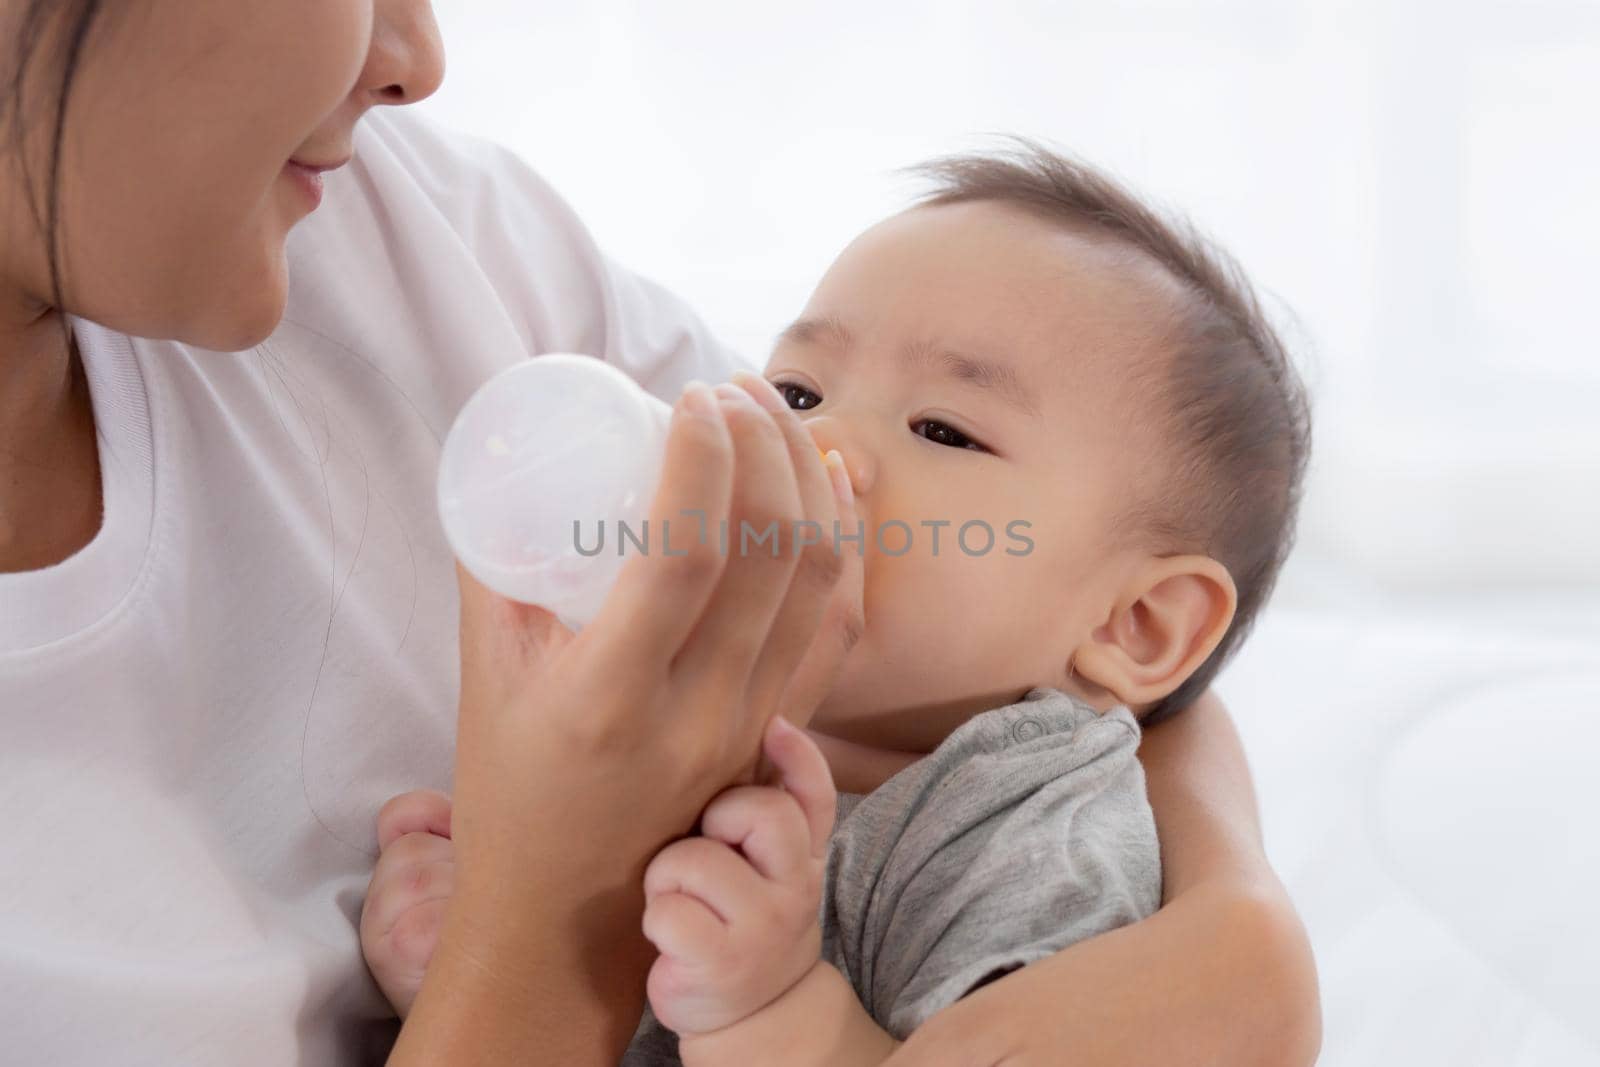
(43,607)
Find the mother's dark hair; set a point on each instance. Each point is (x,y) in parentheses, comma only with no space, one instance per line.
(50,35)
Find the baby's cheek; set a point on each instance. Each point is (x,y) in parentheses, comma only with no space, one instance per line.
(952,631)
(920,614)
(970,622)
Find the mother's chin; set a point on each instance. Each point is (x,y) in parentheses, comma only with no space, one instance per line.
(247,321)
(237,311)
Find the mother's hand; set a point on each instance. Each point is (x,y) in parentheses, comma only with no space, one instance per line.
(580,756)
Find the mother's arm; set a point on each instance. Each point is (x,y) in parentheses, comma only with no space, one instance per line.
(1221,974)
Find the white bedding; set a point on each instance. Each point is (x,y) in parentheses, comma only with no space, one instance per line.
(1428,774)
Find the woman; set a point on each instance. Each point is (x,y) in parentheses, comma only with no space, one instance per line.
(227,613)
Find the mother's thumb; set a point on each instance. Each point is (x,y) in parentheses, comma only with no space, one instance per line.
(495,629)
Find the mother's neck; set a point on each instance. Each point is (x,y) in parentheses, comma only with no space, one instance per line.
(49,465)
(35,369)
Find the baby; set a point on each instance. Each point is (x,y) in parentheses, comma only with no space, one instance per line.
(1076,448)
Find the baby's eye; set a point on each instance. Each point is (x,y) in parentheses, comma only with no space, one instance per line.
(796,396)
(941,434)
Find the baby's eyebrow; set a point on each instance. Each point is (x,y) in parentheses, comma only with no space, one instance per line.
(988,375)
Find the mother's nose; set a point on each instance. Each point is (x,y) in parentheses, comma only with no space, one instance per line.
(405,62)
(830,432)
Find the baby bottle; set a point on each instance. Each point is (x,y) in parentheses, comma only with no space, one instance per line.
(542,464)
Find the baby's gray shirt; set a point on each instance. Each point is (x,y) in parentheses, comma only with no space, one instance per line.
(1026,830)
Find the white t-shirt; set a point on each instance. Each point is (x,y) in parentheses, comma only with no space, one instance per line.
(202,711)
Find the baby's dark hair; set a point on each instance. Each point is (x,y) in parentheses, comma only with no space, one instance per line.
(1235,410)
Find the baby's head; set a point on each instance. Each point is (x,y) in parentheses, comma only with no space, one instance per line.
(1095,396)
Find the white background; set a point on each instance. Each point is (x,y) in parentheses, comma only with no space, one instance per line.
(1416,188)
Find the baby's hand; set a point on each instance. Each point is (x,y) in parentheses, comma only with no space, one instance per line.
(736,929)
(406,899)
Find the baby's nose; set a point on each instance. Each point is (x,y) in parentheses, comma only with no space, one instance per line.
(829,433)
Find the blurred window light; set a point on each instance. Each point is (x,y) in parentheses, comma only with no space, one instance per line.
(1414,185)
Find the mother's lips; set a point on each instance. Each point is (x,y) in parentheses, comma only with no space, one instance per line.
(320,167)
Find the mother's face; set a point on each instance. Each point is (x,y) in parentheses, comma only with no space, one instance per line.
(176,186)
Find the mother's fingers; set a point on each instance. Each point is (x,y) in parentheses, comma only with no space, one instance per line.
(734,626)
(497,632)
(843,619)
(660,594)
(818,565)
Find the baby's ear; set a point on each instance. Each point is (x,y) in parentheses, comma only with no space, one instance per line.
(1171,615)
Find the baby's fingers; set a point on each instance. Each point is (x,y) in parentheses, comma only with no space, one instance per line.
(683,927)
(800,767)
(413,938)
(706,870)
(413,870)
(766,824)
(421,811)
